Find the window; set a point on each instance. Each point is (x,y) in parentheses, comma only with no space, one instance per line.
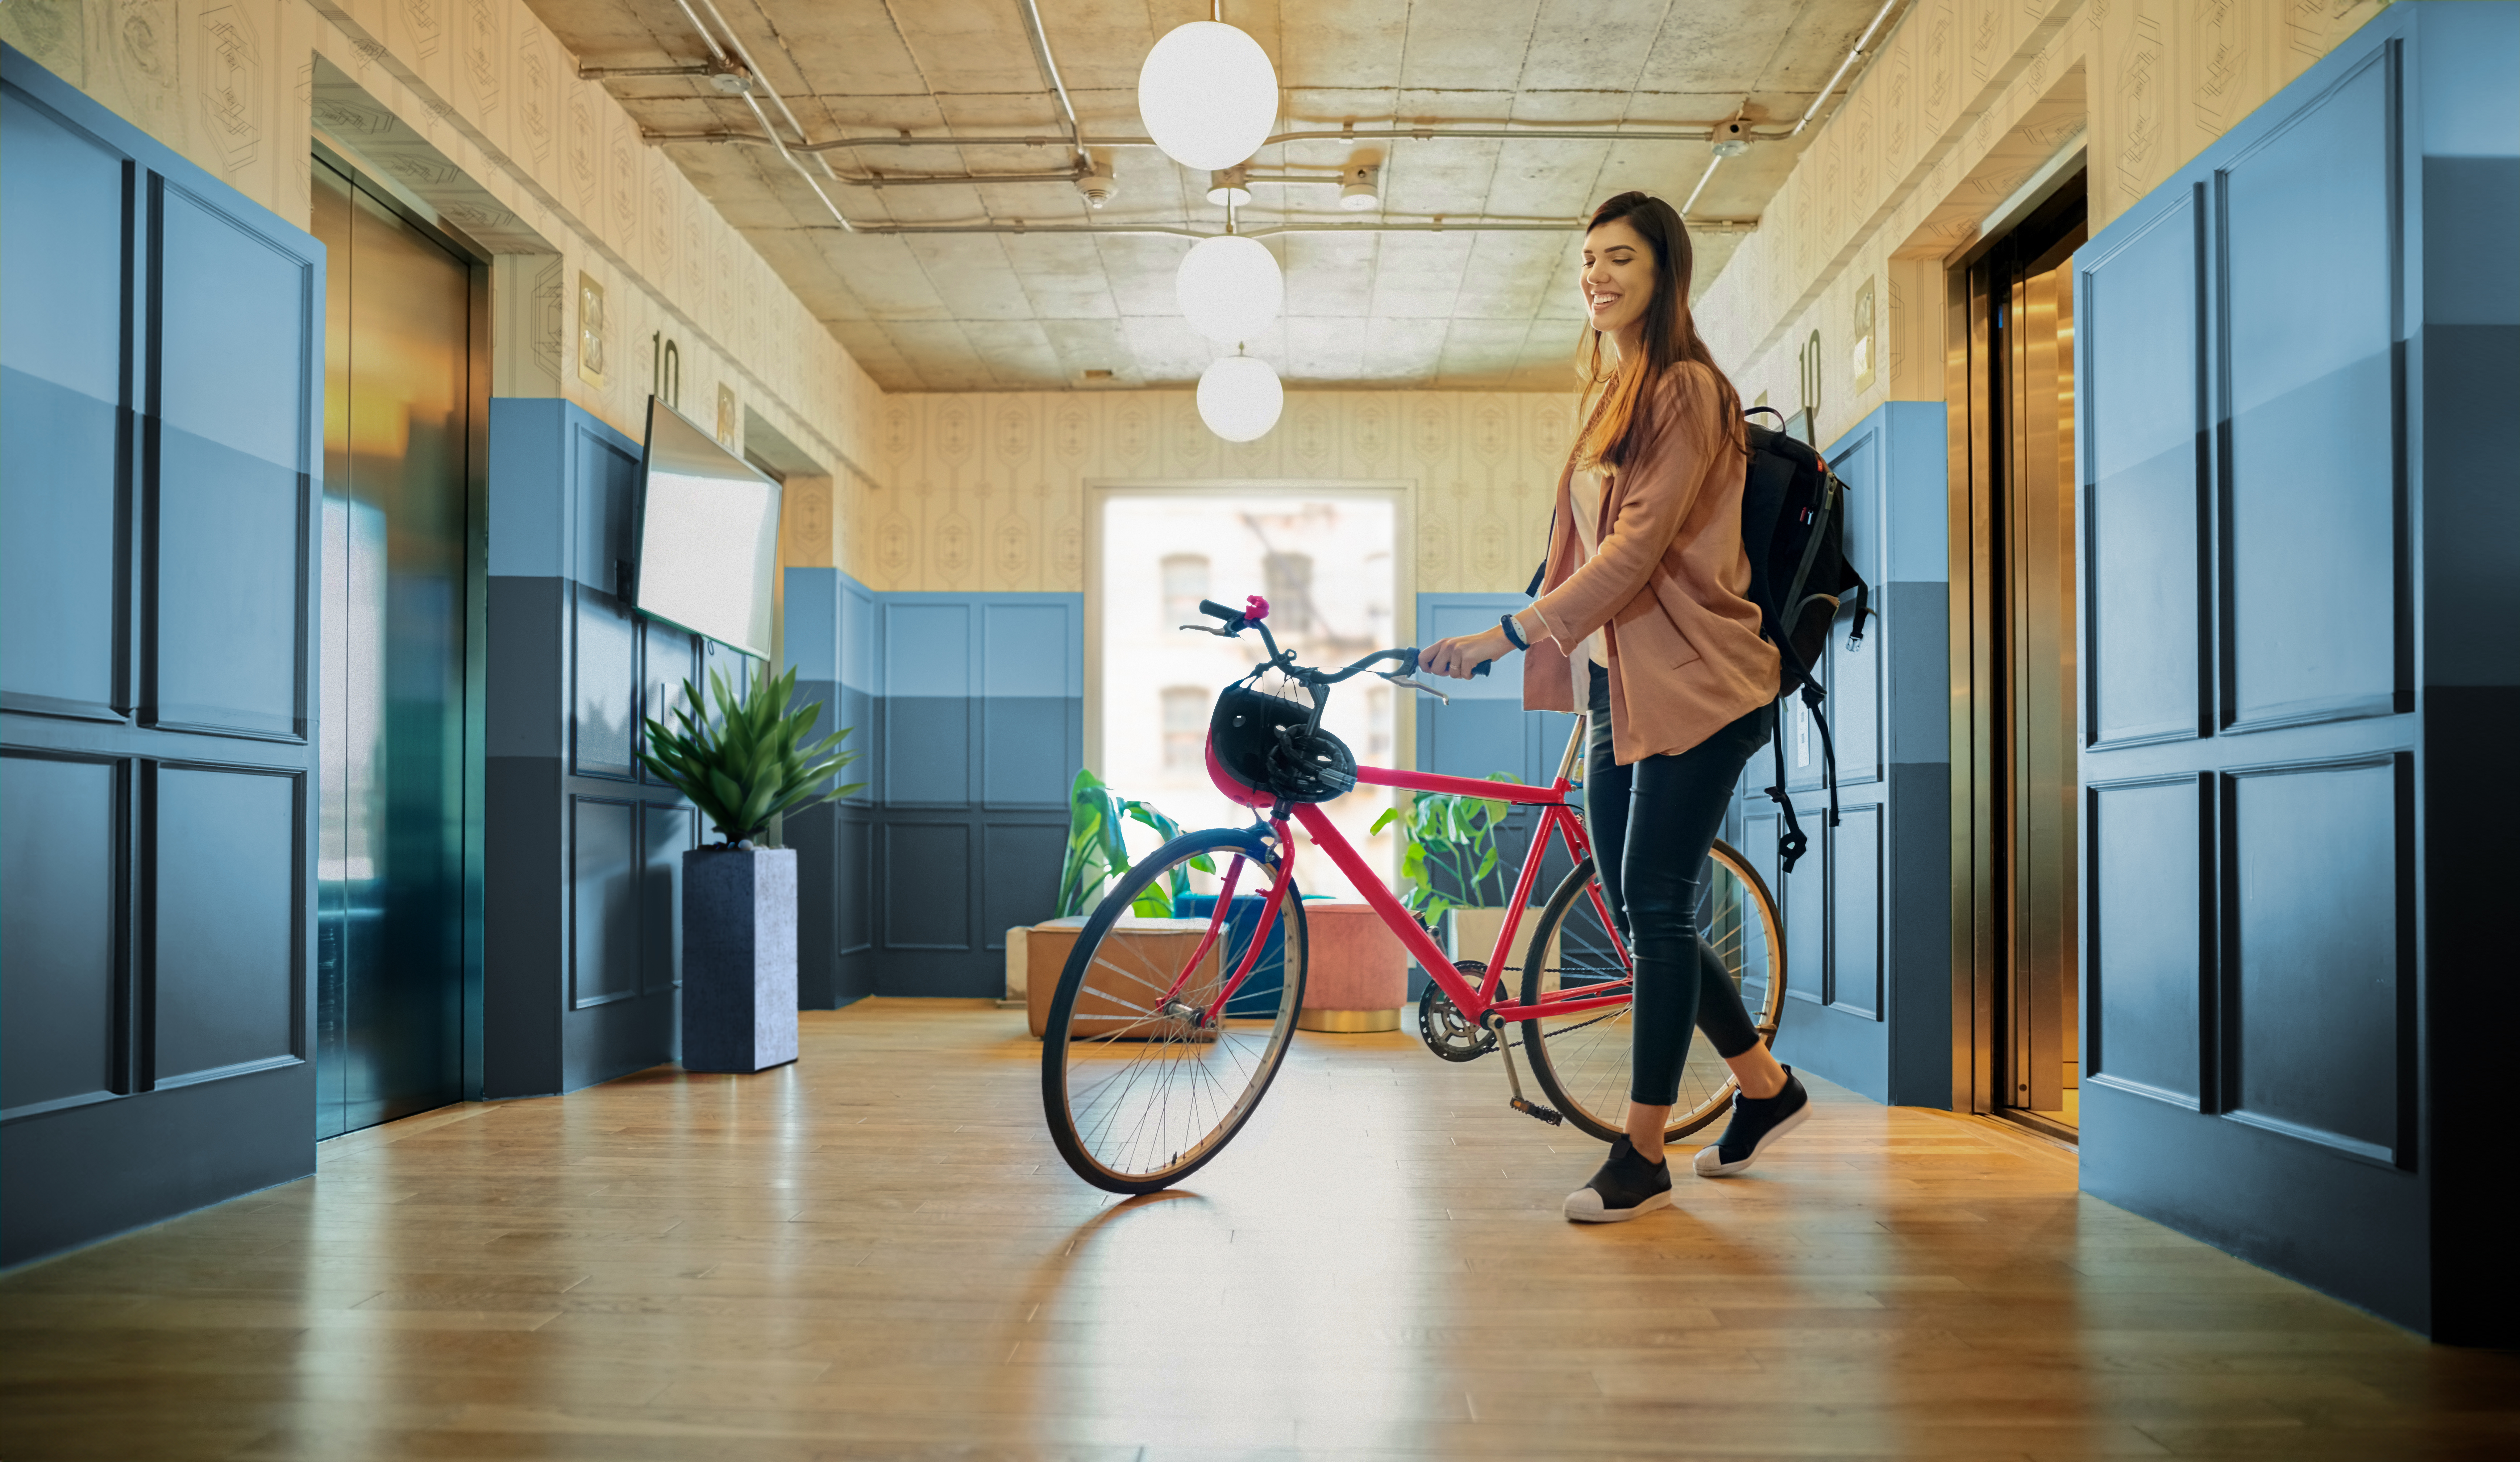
(1290,581)
(1327,560)
(1377,705)
(1185,583)
(1185,726)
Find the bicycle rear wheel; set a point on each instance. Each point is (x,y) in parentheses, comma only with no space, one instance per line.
(1143,1077)
(1584,1060)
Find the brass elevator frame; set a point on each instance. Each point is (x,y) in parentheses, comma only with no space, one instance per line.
(469,832)
(2014,739)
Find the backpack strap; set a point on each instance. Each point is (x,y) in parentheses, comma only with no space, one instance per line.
(1812,695)
(1792,840)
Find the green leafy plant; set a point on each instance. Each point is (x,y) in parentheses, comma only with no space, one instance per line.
(749,762)
(1098,849)
(1448,851)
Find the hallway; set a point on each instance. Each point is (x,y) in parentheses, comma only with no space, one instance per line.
(875,1253)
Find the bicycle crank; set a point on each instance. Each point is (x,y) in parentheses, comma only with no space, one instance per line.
(1442,1026)
(1529,1108)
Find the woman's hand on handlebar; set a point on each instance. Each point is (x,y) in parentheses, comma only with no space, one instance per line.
(1460,656)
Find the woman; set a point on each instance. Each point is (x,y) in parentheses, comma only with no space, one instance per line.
(1643,619)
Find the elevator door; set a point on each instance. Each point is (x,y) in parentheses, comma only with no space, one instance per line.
(2034,352)
(397,409)
(2022,780)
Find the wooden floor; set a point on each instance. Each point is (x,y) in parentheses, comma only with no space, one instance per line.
(876,1253)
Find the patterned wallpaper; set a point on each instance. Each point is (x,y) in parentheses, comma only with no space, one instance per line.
(475,108)
(1962,103)
(986,491)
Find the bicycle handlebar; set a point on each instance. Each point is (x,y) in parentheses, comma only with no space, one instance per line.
(1239,620)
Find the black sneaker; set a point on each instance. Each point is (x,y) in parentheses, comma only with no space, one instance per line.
(1627,1185)
(1757,1122)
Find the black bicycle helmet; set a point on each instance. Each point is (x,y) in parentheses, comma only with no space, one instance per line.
(1260,741)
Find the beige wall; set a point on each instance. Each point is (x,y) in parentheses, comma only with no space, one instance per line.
(473,107)
(1962,103)
(986,491)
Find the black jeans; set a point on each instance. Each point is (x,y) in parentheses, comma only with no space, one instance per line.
(1673,806)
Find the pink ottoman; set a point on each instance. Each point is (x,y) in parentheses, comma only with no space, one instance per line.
(1356,975)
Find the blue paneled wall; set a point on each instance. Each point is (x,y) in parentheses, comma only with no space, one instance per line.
(1868,909)
(161,449)
(582,961)
(971,711)
(1485,728)
(2298,360)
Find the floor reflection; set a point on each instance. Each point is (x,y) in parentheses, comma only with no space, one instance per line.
(876,1253)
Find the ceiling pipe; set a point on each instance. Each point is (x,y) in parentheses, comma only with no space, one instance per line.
(1705,133)
(1050,68)
(1852,57)
(719,53)
(607,72)
(932,179)
(1703,179)
(1446,226)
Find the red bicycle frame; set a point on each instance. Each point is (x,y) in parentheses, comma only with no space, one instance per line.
(1476,1003)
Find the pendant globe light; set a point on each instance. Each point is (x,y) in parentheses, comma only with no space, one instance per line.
(1240,398)
(1229,287)
(1207,94)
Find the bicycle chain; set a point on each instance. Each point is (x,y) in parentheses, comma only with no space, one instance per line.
(1436,1004)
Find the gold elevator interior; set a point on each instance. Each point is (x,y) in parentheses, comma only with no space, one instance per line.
(2015,789)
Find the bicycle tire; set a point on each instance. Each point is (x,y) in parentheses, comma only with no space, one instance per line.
(1137,1099)
(1583,1061)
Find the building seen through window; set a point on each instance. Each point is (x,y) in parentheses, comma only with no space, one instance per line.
(1185,583)
(1186,727)
(1289,578)
(1324,562)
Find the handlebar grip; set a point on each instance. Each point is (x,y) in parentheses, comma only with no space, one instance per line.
(1211,606)
(1484,666)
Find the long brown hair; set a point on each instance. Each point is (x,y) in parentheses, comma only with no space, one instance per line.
(1613,425)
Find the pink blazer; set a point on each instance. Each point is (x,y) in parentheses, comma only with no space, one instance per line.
(1671,582)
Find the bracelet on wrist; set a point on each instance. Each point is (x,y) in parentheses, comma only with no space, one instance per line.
(1514,632)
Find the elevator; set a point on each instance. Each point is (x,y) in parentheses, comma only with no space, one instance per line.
(2015,776)
(404,412)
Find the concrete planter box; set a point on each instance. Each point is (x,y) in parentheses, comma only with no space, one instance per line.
(739,958)
(1471,934)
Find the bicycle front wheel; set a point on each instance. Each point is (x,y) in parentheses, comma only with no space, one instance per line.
(1155,1056)
(1584,1060)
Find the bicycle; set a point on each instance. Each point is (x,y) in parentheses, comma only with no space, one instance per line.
(1177,1005)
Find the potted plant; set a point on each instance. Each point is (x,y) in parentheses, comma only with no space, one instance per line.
(743,767)
(1448,856)
(1097,851)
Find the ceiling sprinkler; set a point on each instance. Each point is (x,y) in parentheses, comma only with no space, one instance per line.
(1732,139)
(1360,187)
(1097,184)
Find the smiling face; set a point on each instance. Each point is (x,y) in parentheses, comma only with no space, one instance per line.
(1618,276)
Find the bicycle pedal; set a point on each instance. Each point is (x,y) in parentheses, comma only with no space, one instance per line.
(1535,1109)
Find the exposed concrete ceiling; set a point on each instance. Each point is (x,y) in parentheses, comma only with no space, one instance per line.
(1036,311)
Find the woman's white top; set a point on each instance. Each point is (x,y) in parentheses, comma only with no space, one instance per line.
(1585,492)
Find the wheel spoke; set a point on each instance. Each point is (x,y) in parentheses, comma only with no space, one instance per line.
(1148,1075)
(1584,1059)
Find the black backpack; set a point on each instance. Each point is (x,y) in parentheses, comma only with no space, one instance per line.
(1793,527)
